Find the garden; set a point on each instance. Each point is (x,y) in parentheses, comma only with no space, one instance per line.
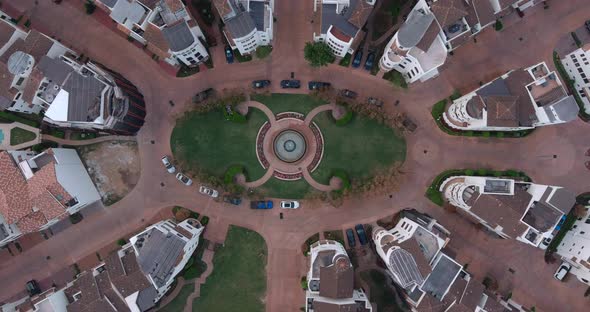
(207,144)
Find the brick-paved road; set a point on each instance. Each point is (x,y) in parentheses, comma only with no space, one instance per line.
(494,53)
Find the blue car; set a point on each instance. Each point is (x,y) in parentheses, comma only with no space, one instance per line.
(369,61)
(261,204)
(560,223)
(229,55)
(360,231)
(350,237)
(356,62)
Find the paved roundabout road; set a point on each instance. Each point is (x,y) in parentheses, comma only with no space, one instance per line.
(429,151)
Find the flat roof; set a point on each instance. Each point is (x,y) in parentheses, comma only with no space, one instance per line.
(179,36)
(158,254)
(443,274)
(340,21)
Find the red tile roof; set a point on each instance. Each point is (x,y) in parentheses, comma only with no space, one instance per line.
(6,32)
(174,5)
(14,199)
(361,12)
(223,7)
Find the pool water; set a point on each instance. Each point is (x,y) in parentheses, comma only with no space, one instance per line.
(1,136)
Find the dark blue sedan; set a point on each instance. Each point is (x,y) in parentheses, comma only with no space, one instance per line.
(229,55)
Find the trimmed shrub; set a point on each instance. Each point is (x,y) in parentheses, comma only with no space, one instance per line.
(482,172)
(498,26)
(263,51)
(76,218)
(469,172)
(204,220)
(486,134)
(231,172)
(90,7)
(499,134)
(439,108)
(121,242)
(345,61)
(345,119)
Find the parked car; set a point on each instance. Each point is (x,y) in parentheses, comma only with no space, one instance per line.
(545,242)
(208,191)
(184,179)
(261,204)
(375,101)
(318,85)
(587,24)
(290,84)
(350,237)
(259,84)
(370,61)
(234,200)
(168,165)
(562,271)
(356,62)
(560,223)
(291,204)
(203,95)
(360,231)
(229,55)
(33,288)
(348,94)
(409,124)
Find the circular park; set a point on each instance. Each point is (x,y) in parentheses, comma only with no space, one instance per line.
(285,146)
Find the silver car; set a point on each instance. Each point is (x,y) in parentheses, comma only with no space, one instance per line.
(184,179)
(168,165)
(207,191)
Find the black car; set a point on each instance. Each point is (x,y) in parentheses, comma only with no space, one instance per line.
(587,24)
(356,62)
(33,288)
(229,55)
(290,84)
(203,95)
(360,231)
(318,85)
(259,84)
(348,94)
(375,101)
(350,237)
(234,200)
(369,62)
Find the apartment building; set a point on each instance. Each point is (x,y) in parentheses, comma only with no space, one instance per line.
(330,281)
(133,278)
(524,211)
(575,247)
(165,27)
(248,23)
(436,27)
(432,280)
(38,190)
(520,99)
(577,66)
(341,23)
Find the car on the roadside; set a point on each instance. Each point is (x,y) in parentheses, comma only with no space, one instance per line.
(203,95)
(546,241)
(360,231)
(168,165)
(560,223)
(370,61)
(348,94)
(234,200)
(33,288)
(318,85)
(229,55)
(350,237)
(375,101)
(261,204)
(562,271)
(356,61)
(290,84)
(587,24)
(184,179)
(289,204)
(259,84)
(208,191)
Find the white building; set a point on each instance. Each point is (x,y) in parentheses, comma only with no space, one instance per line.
(575,247)
(525,211)
(520,99)
(434,28)
(133,278)
(432,281)
(36,191)
(164,26)
(330,281)
(248,23)
(341,23)
(577,66)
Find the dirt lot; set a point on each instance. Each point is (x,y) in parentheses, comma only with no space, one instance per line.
(114,168)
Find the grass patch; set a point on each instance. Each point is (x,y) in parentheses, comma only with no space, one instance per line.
(436,197)
(383,294)
(242,58)
(345,61)
(263,51)
(185,71)
(20,136)
(10,116)
(396,79)
(570,86)
(178,303)
(285,189)
(335,235)
(239,274)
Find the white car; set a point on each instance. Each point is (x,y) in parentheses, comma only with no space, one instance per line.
(168,165)
(562,271)
(207,191)
(545,242)
(289,204)
(184,179)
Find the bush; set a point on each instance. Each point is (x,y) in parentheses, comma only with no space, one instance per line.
(396,78)
(469,172)
(486,134)
(43,146)
(498,26)
(500,134)
(204,220)
(456,94)
(76,218)
(121,242)
(439,108)
(435,196)
(9,116)
(345,119)
(345,61)
(340,173)
(304,283)
(231,172)
(482,172)
(263,51)
(90,7)
(318,54)
(242,58)
(58,133)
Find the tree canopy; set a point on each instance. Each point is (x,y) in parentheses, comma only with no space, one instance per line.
(318,54)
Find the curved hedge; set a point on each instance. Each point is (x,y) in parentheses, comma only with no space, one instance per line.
(231,172)
(340,173)
(345,119)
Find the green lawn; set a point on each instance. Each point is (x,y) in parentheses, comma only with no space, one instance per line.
(209,142)
(178,303)
(285,189)
(361,147)
(382,294)
(238,281)
(263,51)
(300,103)
(20,135)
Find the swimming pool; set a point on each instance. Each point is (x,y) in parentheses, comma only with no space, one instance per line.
(1,136)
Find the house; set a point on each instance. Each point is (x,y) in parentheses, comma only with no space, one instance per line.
(38,190)
(525,211)
(575,247)
(341,23)
(577,66)
(133,278)
(518,100)
(431,280)
(434,28)
(330,281)
(165,27)
(248,23)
